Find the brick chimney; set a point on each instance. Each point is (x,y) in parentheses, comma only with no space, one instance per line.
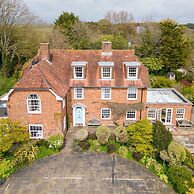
(106,47)
(44,52)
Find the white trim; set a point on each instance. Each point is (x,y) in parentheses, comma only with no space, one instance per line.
(58,98)
(39,125)
(106,64)
(106,53)
(105,109)
(75,77)
(75,96)
(150,109)
(132,77)
(64,123)
(34,112)
(106,78)
(131,119)
(5,97)
(170,115)
(128,93)
(79,63)
(74,117)
(132,64)
(102,97)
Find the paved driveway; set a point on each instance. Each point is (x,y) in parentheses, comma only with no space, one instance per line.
(84,173)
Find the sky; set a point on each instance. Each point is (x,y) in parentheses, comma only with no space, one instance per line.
(94,10)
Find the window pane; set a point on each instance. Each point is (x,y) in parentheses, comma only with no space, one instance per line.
(105,93)
(78,72)
(132,72)
(151,113)
(180,113)
(105,113)
(106,72)
(36,131)
(34,103)
(132,93)
(131,114)
(78,93)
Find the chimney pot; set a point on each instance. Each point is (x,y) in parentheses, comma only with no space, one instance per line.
(44,52)
(106,47)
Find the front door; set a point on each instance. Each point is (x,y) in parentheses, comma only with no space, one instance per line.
(166,115)
(79,116)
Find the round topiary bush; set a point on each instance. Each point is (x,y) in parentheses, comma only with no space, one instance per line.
(103,133)
(123,151)
(176,153)
(111,148)
(92,135)
(82,134)
(121,134)
(161,136)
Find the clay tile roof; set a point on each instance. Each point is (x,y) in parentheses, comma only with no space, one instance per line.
(58,75)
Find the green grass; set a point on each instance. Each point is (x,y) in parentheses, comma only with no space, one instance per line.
(43,152)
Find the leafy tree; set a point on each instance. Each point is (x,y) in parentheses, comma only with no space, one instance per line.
(174,46)
(161,136)
(152,63)
(160,82)
(11,132)
(141,136)
(188,92)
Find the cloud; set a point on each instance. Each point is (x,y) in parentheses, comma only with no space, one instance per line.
(93,10)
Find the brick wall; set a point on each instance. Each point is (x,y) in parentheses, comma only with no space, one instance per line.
(52,112)
(92,101)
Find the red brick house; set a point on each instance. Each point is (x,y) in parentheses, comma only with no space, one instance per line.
(86,86)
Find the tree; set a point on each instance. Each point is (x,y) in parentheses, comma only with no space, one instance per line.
(161,137)
(141,136)
(160,82)
(11,132)
(174,46)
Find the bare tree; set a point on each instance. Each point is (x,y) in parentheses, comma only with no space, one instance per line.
(120,17)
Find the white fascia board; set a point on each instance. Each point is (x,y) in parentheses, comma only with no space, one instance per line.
(5,97)
(132,64)
(106,64)
(79,63)
(58,98)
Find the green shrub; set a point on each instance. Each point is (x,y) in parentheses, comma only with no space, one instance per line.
(111,148)
(85,145)
(42,142)
(160,82)
(43,152)
(56,142)
(123,151)
(82,134)
(92,135)
(161,136)
(180,178)
(7,167)
(141,136)
(75,146)
(103,133)
(189,160)
(96,145)
(26,154)
(176,153)
(121,134)
(164,156)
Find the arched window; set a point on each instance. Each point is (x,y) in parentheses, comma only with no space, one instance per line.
(34,103)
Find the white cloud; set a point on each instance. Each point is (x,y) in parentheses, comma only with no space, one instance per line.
(89,10)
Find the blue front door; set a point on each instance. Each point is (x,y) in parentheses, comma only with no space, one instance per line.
(79,116)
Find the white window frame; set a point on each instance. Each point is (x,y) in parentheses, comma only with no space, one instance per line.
(132,77)
(36,125)
(155,114)
(28,106)
(102,109)
(103,93)
(182,113)
(131,119)
(75,93)
(102,71)
(136,93)
(75,76)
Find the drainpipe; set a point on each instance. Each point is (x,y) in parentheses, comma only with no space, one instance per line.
(141,102)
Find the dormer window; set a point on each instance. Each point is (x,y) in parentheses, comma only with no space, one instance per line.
(78,68)
(78,72)
(132,72)
(106,72)
(106,69)
(132,69)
